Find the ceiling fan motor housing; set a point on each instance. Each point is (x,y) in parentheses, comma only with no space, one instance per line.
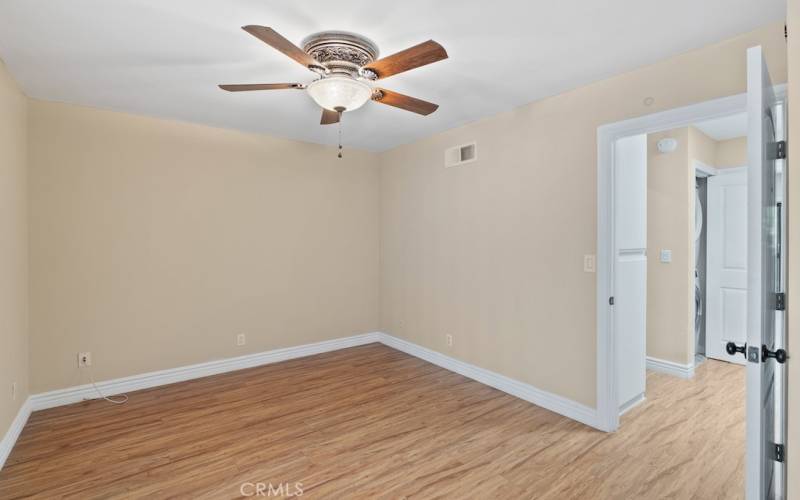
(342,53)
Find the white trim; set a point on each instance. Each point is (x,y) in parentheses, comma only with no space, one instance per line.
(607,405)
(558,404)
(731,170)
(703,170)
(670,368)
(630,405)
(14,431)
(79,393)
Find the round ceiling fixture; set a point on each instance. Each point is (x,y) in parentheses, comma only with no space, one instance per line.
(345,62)
(340,93)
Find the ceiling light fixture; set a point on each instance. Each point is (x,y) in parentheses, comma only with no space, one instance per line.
(340,92)
(345,62)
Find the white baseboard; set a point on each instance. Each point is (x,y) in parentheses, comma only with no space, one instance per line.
(14,431)
(633,403)
(75,394)
(558,404)
(670,368)
(60,397)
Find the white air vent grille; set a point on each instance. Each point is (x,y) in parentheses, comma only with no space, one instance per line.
(459,155)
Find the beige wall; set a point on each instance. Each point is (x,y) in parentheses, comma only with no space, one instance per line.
(492,252)
(731,153)
(701,148)
(670,210)
(13,250)
(153,243)
(793,234)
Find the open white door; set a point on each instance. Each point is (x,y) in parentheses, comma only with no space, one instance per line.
(726,264)
(765,471)
(630,267)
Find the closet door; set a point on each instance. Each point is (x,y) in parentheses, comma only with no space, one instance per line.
(630,273)
(726,264)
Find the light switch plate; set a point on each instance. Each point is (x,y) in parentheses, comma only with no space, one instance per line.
(589,264)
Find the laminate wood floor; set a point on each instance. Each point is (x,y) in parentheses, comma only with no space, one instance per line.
(371,421)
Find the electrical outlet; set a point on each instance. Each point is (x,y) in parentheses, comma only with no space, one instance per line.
(13,390)
(589,264)
(84,359)
(240,339)
(449,339)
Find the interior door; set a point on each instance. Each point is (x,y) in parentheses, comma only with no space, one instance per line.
(726,264)
(765,475)
(630,267)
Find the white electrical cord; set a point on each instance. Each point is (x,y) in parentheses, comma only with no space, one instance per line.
(124,397)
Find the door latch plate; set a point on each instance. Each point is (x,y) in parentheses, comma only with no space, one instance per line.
(780,301)
(777,150)
(777,452)
(753,354)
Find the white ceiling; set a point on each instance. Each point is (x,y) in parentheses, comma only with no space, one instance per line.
(727,127)
(165,57)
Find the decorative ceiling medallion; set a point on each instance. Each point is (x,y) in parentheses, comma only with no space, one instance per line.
(340,50)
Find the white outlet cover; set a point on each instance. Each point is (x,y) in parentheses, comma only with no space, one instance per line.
(241,339)
(665,256)
(88,356)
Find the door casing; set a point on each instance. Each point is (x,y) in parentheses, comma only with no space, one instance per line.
(607,400)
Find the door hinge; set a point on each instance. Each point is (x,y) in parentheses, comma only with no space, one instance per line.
(780,301)
(777,452)
(611,301)
(777,150)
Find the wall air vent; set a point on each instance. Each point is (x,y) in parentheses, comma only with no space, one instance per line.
(459,155)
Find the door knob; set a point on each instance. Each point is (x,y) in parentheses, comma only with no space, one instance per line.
(732,349)
(778,354)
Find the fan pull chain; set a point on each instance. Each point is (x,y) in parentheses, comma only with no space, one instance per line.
(340,132)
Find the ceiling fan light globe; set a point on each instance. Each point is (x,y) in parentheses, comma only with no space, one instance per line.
(339,92)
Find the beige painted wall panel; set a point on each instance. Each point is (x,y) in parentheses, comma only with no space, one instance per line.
(154,243)
(701,147)
(670,208)
(492,253)
(731,153)
(13,249)
(793,223)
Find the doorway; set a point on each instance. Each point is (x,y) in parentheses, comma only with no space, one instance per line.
(680,252)
(763,149)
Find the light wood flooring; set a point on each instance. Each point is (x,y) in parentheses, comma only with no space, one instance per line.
(372,422)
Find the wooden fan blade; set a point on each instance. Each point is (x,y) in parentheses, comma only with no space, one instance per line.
(414,57)
(401,101)
(278,42)
(261,86)
(329,117)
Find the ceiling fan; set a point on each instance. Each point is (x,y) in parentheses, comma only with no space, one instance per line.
(347,64)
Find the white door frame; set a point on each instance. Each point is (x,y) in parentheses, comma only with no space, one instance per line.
(607,404)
